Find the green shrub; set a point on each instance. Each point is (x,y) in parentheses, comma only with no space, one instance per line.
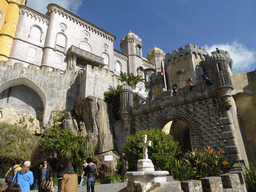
(64,144)
(162,151)
(250,179)
(16,143)
(31,120)
(55,181)
(112,98)
(199,164)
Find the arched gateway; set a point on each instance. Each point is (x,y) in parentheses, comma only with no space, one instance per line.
(208,110)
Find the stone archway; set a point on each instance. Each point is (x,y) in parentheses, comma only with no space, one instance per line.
(159,119)
(25,83)
(180,131)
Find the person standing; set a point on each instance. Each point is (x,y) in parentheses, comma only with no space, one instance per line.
(45,173)
(90,172)
(124,166)
(62,167)
(174,89)
(83,175)
(69,181)
(16,167)
(24,177)
(190,84)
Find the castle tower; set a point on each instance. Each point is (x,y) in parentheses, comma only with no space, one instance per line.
(155,56)
(131,45)
(9,16)
(218,67)
(181,65)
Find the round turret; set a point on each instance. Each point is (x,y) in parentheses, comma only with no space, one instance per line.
(154,52)
(126,98)
(217,67)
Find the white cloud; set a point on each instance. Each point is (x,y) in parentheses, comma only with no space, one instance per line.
(40,5)
(243,58)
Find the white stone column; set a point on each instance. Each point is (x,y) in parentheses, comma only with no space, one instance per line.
(50,40)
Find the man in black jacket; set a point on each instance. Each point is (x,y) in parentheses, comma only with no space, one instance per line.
(90,172)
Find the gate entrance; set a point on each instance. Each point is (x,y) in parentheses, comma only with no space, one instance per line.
(180,131)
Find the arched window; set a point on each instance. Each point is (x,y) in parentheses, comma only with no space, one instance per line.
(61,40)
(140,72)
(35,33)
(138,50)
(106,58)
(32,52)
(85,46)
(118,66)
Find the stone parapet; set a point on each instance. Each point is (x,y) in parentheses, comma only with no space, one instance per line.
(189,49)
(192,186)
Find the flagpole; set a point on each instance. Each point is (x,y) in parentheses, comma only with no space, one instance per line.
(163,71)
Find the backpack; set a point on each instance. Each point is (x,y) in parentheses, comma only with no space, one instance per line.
(9,176)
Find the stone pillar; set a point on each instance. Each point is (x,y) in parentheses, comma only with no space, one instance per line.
(72,59)
(49,52)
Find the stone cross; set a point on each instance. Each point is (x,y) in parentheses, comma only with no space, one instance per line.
(145,146)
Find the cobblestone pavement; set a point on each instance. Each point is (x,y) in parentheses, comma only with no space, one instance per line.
(115,187)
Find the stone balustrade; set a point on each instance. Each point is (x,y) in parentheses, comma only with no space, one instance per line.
(225,183)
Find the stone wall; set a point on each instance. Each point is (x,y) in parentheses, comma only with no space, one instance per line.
(244,96)
(57,90)
(94,81)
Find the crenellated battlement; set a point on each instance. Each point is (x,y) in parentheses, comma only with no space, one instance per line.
(183,51)
(4,65)
(104,73)
(24,10)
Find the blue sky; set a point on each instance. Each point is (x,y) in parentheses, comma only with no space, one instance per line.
(168,24)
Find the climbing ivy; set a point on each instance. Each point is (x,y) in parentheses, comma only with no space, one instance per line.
(112,98)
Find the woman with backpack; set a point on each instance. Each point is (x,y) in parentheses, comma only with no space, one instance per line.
(24,177)
(12,171)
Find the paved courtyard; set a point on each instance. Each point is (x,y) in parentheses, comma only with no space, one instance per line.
(115,187)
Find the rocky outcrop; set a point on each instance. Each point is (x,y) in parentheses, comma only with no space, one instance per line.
(9,115)
(94,113)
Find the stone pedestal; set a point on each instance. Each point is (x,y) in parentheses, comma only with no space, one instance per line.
(141,181)
(145,165)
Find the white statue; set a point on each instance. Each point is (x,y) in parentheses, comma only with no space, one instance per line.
(145,146)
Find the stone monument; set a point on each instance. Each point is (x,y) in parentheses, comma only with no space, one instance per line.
(145,164)
(146,176)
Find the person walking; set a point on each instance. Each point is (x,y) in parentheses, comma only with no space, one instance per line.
(24,177)
(62,167)
(45,173)
(69,181)
(83,175)
(90,172)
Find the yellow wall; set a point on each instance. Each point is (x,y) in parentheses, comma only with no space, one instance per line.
(182,63)
(246,117)
(8,25)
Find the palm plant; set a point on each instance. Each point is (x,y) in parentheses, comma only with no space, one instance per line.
(131,79)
